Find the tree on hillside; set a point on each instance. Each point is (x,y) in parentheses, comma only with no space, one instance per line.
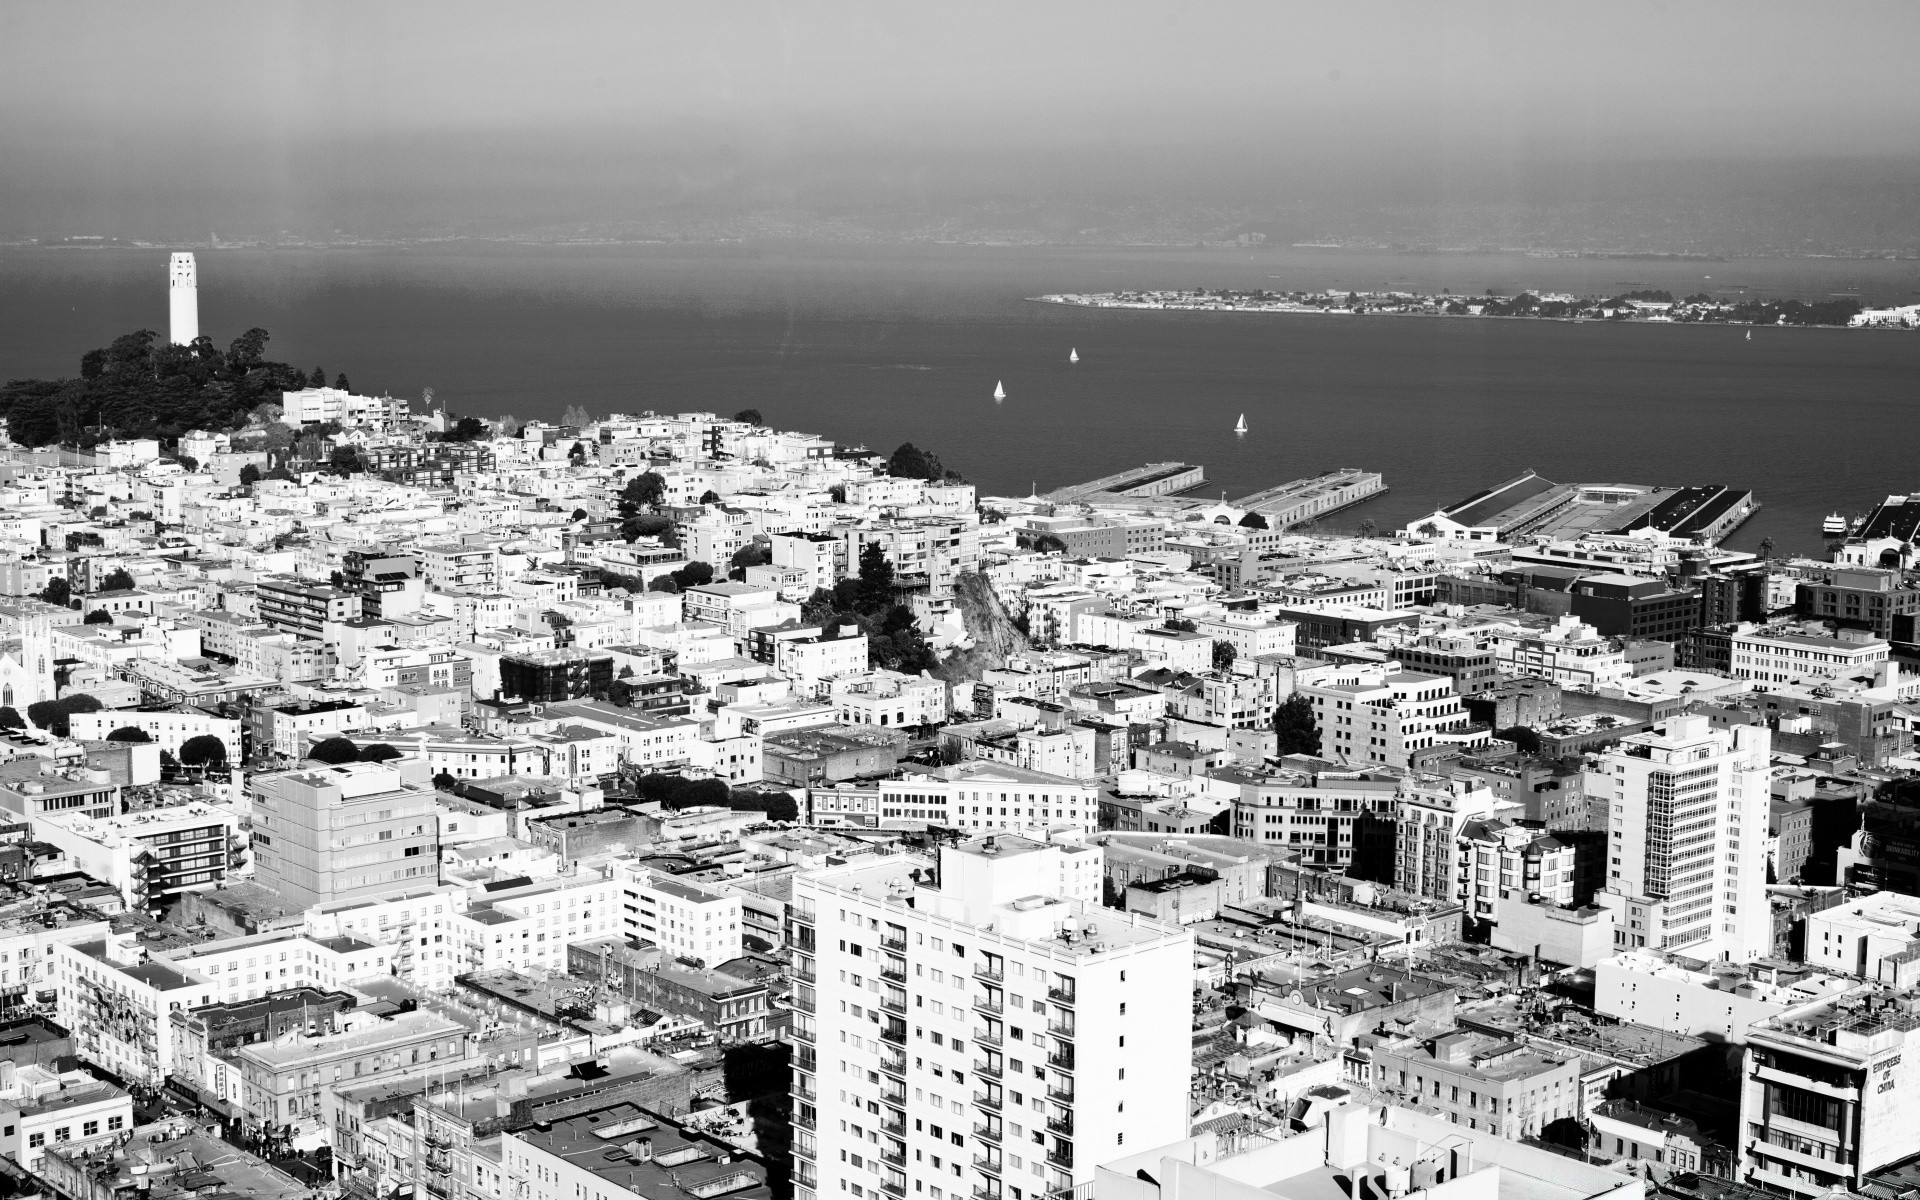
(911,462)
(876,577)
(445,782)
(340,382)
(345,460)
(1294,726)
(98,616)
(709,497)
(51,715)
(127,733)
(204,750)
(644,491)
(58,591)
(10,718)
(749,416)
(649,525)
(1047,543)
(468,429)
(754,554)
(249,475)
(116,580)
(1223,655)
(318,378)
(380,752)
(334,751)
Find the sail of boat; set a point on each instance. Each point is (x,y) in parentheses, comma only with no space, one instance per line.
(1241,425)
(999,390)
(1073,355)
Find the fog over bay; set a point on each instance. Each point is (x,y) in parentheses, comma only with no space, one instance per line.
(1709,128)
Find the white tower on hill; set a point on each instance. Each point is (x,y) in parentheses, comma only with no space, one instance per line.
(183,300)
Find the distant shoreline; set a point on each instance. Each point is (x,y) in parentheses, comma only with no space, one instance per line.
(1642,308)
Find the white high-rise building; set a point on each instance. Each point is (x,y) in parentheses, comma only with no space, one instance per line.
(1686,868)
(995,1035)
(183,300)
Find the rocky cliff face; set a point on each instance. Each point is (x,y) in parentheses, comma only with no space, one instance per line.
(995,637)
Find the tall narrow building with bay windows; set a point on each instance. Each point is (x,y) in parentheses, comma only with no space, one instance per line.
(1686,819)
(984,1032)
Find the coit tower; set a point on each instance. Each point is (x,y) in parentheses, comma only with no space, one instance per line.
(183,300)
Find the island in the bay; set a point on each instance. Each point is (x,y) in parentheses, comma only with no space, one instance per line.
(1643,305)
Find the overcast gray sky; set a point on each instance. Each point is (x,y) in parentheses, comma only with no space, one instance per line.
(340,110)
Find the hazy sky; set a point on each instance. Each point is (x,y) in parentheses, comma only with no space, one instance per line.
(345,113)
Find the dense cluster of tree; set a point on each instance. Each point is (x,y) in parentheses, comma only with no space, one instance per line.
(870,603)
(1796,312)
(51,715)
(139,386)
(911,462)
(749,416)
(675,791)
(335,751)
(694,574)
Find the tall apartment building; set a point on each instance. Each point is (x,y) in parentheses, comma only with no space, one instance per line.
(1686,809)
(351,832)
(992,1035)
(374,574)
(295,606)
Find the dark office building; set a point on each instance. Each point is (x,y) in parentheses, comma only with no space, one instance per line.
(1728,597)
(1630,606)
(1863,598)
(550,676)
(1472,671)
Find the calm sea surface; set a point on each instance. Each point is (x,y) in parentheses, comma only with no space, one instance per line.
(884,345)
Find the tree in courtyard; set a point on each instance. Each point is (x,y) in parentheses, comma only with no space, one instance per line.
(1223,655)
(1253,520)
(1047,543)
(380,752)
(116,580)
(1294,727)
(10,718)
(445,782)
(709,497)
(249,475)
(58,591)
(99,616)
(127,733)
(204,750)
(334,751)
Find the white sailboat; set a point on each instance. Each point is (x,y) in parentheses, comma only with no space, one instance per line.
(999,390)
(1073,356)
(1749,335)
(1241,425)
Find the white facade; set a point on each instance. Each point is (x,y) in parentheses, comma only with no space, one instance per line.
(418,925)
(993,1035)
(1698,999)
(1859,938)
(1775,657)
(684,918)
(888,699)
(530,927)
